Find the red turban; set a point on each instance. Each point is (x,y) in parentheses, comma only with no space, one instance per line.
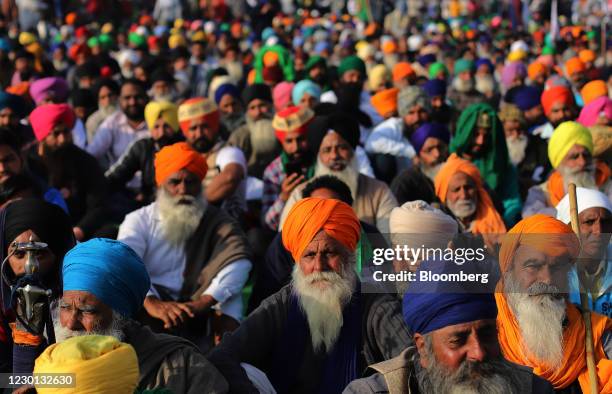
(310,215)
(174,158)
(197,108)
(555,95)
(44,118)
(291,119)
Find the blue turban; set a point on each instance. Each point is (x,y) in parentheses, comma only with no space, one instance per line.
(427,130)
(430,306)
(321,46)
(527,97)
(5,45)
(111,271)
(226,88)
(424,60)
(14,102)
(305,86)
(435,87)
(482,61)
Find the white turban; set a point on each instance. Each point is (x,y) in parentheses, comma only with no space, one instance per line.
(429,226)
(585,199)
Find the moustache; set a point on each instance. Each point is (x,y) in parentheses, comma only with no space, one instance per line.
(540,288)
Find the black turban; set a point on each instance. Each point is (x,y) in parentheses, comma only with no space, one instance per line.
(341,123)
(256,91)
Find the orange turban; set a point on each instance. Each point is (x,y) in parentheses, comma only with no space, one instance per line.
(535,69)
(593,90)
(310,215)
(402,70)
(488,219)
(173,158)
(385,102)
(587,56)
(550,235)
(554,95)
(574,65)
(196,108)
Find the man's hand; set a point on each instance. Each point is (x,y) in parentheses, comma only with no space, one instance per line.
(171,313)
(201,305)
(289,184)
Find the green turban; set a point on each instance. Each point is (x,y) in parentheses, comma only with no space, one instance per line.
(462,65)
(313,61)
(435,68)
(352,63)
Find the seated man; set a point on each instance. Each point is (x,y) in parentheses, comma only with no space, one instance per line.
(196,255)
(460,188)
(594,267)
(570,151)
(559,106)
(334,138)
(104,285)
(430,141)
(537,327)
(456,349)
(310,334)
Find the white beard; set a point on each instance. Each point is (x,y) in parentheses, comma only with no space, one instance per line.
(540,318)
(114,330)
(350,174)
(463,86)
(584,178)
(322,297)
(179,221)
(485,84)
(431,171)
(462,209)
(517,148)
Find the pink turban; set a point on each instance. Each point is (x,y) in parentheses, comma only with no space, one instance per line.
(44,118)
(590,113)
(51,87)
(511,71)
(281,95)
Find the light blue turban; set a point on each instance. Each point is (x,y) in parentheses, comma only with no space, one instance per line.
(111,271)
(305,86)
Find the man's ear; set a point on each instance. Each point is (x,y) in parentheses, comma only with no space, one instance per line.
(419,341)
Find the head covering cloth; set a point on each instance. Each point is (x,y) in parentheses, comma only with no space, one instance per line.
(176,157)
(44,118)
(164,109)
(303,87)
(198,108)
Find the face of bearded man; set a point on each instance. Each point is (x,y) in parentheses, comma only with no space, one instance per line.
(492,376)
(582,177)
(322,297)
(431,170)
(115,329)
(345,170)
(180,215)
(517,148)
(462,208)
(462,85)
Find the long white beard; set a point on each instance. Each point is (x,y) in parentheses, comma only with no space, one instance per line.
(322,297)
(584,178)
(517,148)
(462,209)
(463,86)
(114,330)
(350,174)
(262,135)
(540,314)
(485,84)
(179,220)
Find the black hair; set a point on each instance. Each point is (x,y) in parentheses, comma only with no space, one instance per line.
(332,183)
(10,139)
(136,82)
(16,184)
(106,82)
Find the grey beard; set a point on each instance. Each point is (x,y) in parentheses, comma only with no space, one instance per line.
(489,377)
(463,86)
(431,171)
(262,135)
(116,328)
(485,84)
(517,148)
(462,209)
(178,220)
(584,178)
(350,174)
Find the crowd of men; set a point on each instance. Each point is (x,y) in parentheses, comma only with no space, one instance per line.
(196,191)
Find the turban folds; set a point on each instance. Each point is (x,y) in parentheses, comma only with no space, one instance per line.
(536,68)
(587,55)
(385,102)
(165,109)
(429,130)
(52,87)
(410,96)
(565,136)
(291,120)
(592,111)
(435,88)
(338,122)
(281,95)
(351,63)
(402,70)
(593,90)
(527,97)
(311,215)
(111,271)
(554,95)
(574,65)
(303,87)
(100,364)
(378,76)
(226,88)
(176,157)
(511,71)
(585,199)
(198,108)
(463,65)
(487,219)
(46,117)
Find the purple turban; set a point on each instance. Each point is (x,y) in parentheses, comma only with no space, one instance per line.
(482,61)
(424,60)
(527,97)
(52,87)
(511,71)
(435,87)
(435,130)
(226,88)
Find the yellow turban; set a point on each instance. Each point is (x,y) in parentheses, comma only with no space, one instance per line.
(165,109)
(564,138)
(176,40)
(378,76)
(100,365)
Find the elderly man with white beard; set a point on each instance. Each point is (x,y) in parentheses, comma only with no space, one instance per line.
(104,285)
(309,336)
(537,326)
(570,151)
(334,138)
(456,348)
(196,255)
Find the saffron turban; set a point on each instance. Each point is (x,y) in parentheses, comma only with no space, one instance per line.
(165,109)
(54,88)
(100,364)
(592,111)
(511,71)
(487,219)
(554,95)
(435,88)
(585,199)
(311,215)
(44,118)
(587,55)
(593,90)
(281,95)
(429,130)
(111,271)
(291,120)
(198,108)
(176,157)
(385,101)
(536,68)
(574,65)
(402,70)
(303,87)
(565,136)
